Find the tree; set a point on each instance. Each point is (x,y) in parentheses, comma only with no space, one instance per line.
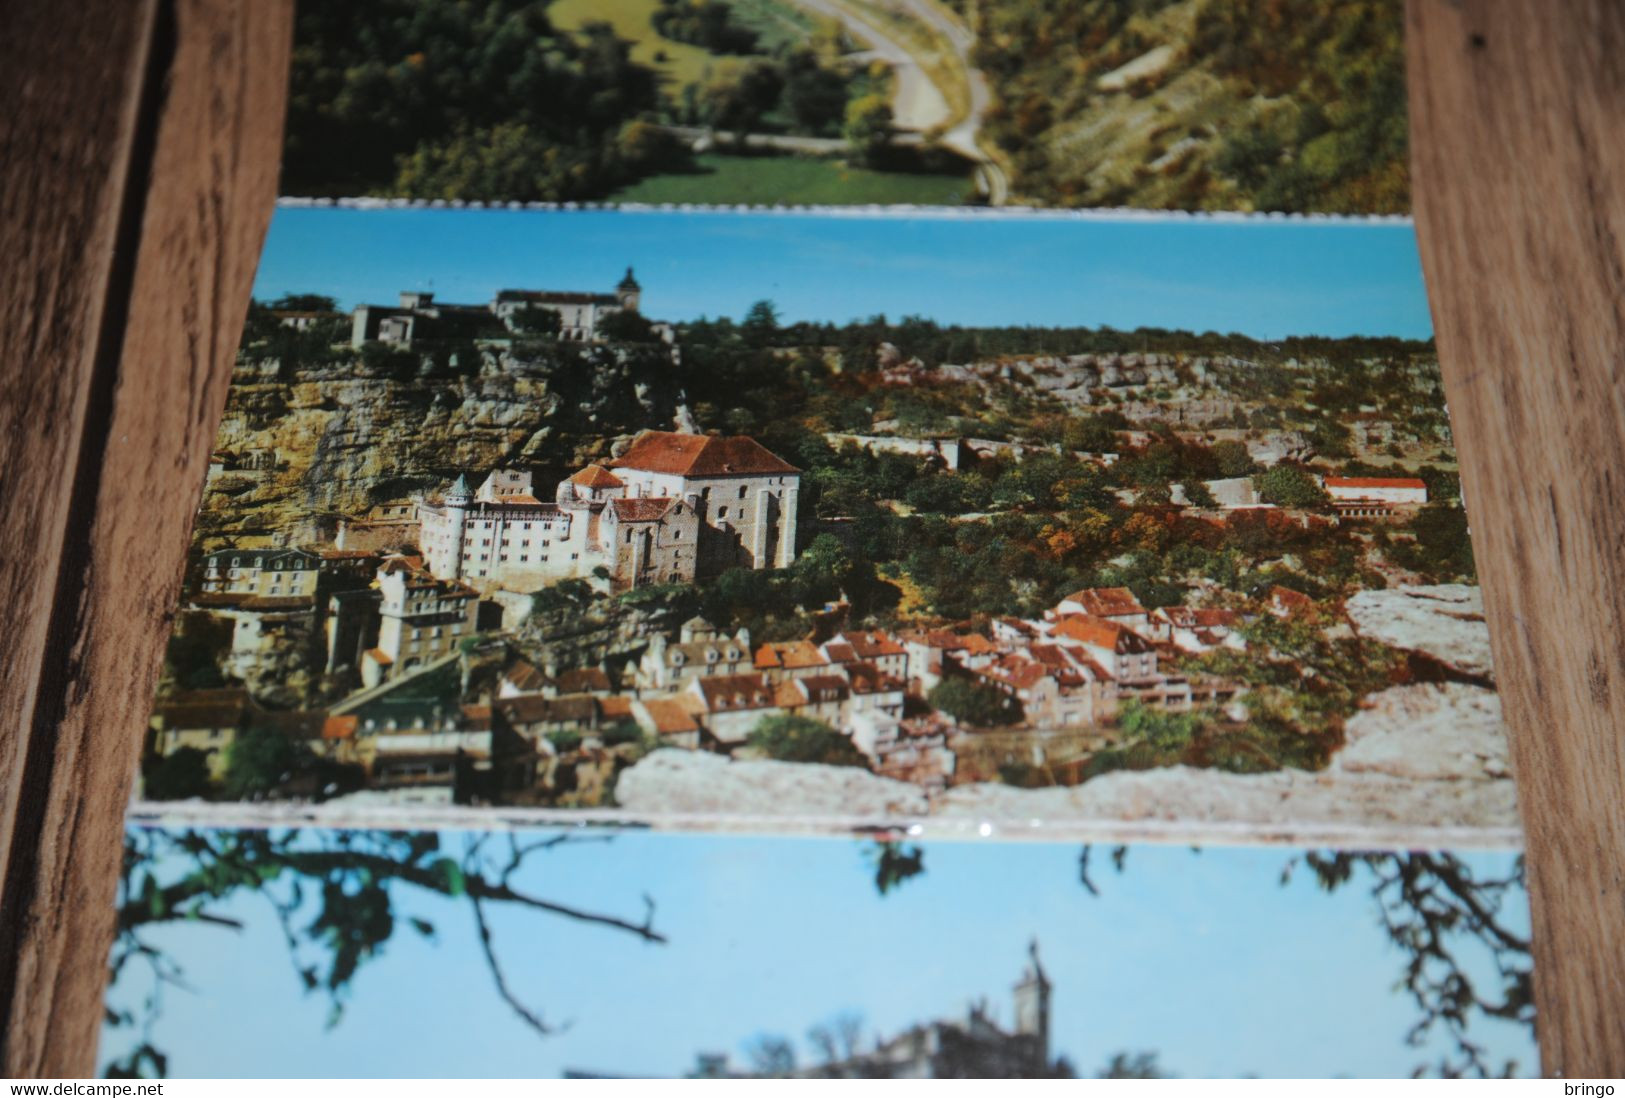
(771,1054)
(339,896)
(626,326)
(738,102)
(305,303)
(804,740)
(868,127)
(814,96)
(761,324)
(258,761)
(536,322)
(974,703)
(1139,1065)
(1233,458)
(1198,495)
(1289,486)
(176,776)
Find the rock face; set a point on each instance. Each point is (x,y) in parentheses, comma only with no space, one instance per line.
(673,782)
(1370,806)
(1443,622)
(337,438)
(1424,757)
(1427,732)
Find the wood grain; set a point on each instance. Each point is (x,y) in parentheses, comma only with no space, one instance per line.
(65,143)
(140,178)
(1518,160)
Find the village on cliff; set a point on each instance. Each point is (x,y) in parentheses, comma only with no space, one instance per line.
(450,653)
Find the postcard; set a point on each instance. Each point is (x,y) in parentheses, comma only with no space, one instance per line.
(1122,527)
(1241,105)
(598,954)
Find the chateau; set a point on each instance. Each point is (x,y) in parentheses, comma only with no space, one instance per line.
(420,316)
(673,508)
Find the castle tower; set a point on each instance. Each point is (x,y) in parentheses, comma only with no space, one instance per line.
(1032,995)
(628,292)
(457,500)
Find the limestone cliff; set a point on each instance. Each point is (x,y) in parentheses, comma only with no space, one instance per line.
(300,451)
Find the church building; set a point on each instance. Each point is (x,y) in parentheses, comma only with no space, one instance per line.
(671,509)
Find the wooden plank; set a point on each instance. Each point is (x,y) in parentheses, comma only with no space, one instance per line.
(66,145)
(147,380)
(1518,157)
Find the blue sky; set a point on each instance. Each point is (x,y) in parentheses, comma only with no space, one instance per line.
(1204,957)
(1264,277)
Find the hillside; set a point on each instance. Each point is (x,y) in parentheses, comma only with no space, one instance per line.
(1293,105)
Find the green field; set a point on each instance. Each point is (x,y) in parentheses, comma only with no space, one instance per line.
(770,180)
(679,62)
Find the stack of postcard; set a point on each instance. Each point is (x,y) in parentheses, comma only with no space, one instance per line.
(859,538)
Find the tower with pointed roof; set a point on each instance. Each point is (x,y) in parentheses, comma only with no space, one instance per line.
(628,292)
(1032,1004)
(457,500)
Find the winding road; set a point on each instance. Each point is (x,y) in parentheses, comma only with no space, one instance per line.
(918,104)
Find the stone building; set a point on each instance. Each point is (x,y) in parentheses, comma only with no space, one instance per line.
(579,314)
(269,573)
(673,508)
(973,1047)
(420,619)
(418,316)
(1376,497)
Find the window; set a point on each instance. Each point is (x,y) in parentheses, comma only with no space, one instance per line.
(741,491)
(722,512)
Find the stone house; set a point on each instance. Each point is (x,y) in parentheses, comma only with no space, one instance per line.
(208,720)
(1113,604)
(702,651)
(420,619)
(270,573)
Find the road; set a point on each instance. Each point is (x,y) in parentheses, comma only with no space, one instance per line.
(918,104)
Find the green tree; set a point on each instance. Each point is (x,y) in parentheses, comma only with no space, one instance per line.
(625,326)
(1198,495)
(761,324)
(804,740)
(535,322)
(868,127)
(1233,458)
(258,761)
(974,703)
(1289,486)
(176,776)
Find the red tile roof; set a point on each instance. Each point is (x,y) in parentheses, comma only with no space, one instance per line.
(1101,633)
(596,476)
(789,655)
(722,692)
(583,680)
(871,645)
(1375,482)
(668,716)
(1106,602)
(700,455)
(646,509)
(339,728)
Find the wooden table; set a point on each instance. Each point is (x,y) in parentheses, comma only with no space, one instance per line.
(140,146)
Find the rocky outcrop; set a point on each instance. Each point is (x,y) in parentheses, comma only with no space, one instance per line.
(1364,806)
(1443,732)
(1422,757)
(672,782)
(345,437)
(1444,623)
